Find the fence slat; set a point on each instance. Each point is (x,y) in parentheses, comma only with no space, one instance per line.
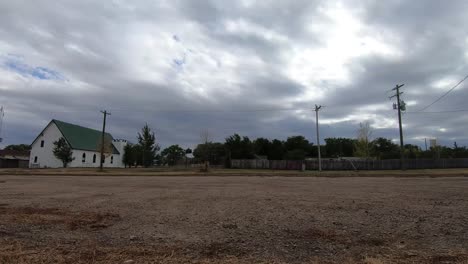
(329,164)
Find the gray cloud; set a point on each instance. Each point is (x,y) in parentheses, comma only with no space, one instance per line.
(233,58)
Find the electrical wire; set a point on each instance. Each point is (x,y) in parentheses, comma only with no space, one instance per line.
(439,112)
(445,94)
(211,110)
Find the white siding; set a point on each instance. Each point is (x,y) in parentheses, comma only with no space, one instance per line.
(45,155)
(78,154)
(78,160)
(119,144)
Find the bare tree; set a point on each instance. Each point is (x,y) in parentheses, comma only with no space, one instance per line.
(363,143)
(108,148)
(206,138)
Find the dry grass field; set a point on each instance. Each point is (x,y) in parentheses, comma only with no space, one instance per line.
(74,216)
(182,171)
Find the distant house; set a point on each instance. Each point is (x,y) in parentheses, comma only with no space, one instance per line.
(84,142)
(14,159)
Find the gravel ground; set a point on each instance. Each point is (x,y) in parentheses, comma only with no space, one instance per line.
(88,219)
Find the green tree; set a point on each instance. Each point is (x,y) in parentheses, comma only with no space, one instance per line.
(384,148)
(261,146)
(137,152)
(412,151)
(276,150)
(62,151)
(214,153)
(297,142)
(148,146)
(20,147)
(459,152)
(239,147)
(172,154)
(129,156)
(445,152)
(295,154)
(297,148)
(339,147)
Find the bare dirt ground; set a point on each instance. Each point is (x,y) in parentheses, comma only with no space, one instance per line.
(229,219)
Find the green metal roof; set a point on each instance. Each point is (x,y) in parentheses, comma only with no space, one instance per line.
(82,138)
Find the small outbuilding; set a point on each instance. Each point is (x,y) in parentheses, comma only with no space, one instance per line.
(14,159)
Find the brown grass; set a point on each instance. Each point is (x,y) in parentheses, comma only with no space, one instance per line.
(370,260)
(94,254)
(55,216)
(165,171)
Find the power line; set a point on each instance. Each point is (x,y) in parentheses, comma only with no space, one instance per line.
(130,110)
(439,112)
(211,110)
(445,94)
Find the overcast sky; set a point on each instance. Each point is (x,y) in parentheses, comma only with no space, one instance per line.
(256,68)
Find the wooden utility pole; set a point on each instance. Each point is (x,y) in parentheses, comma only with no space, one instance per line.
(103,139)
(399,106)
(317,108)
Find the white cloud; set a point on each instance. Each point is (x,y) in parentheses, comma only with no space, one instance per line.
(343,37)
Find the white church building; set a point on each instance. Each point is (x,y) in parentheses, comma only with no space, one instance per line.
(84,143)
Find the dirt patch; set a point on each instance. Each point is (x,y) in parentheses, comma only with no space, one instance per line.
(323,234)
(221,249)
(54,216)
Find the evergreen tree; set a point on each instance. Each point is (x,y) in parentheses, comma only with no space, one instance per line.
(148,146)
(239,147)
(62,151)
(129,156)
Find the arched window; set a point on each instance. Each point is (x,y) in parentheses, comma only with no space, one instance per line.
(94,158)
(83,158)
(112,159)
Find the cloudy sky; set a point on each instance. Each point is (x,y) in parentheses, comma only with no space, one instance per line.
(256,68)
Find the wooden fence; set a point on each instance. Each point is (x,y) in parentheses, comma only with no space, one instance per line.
(328,164)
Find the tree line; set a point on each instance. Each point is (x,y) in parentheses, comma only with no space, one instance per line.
(299,148)
(146,152)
